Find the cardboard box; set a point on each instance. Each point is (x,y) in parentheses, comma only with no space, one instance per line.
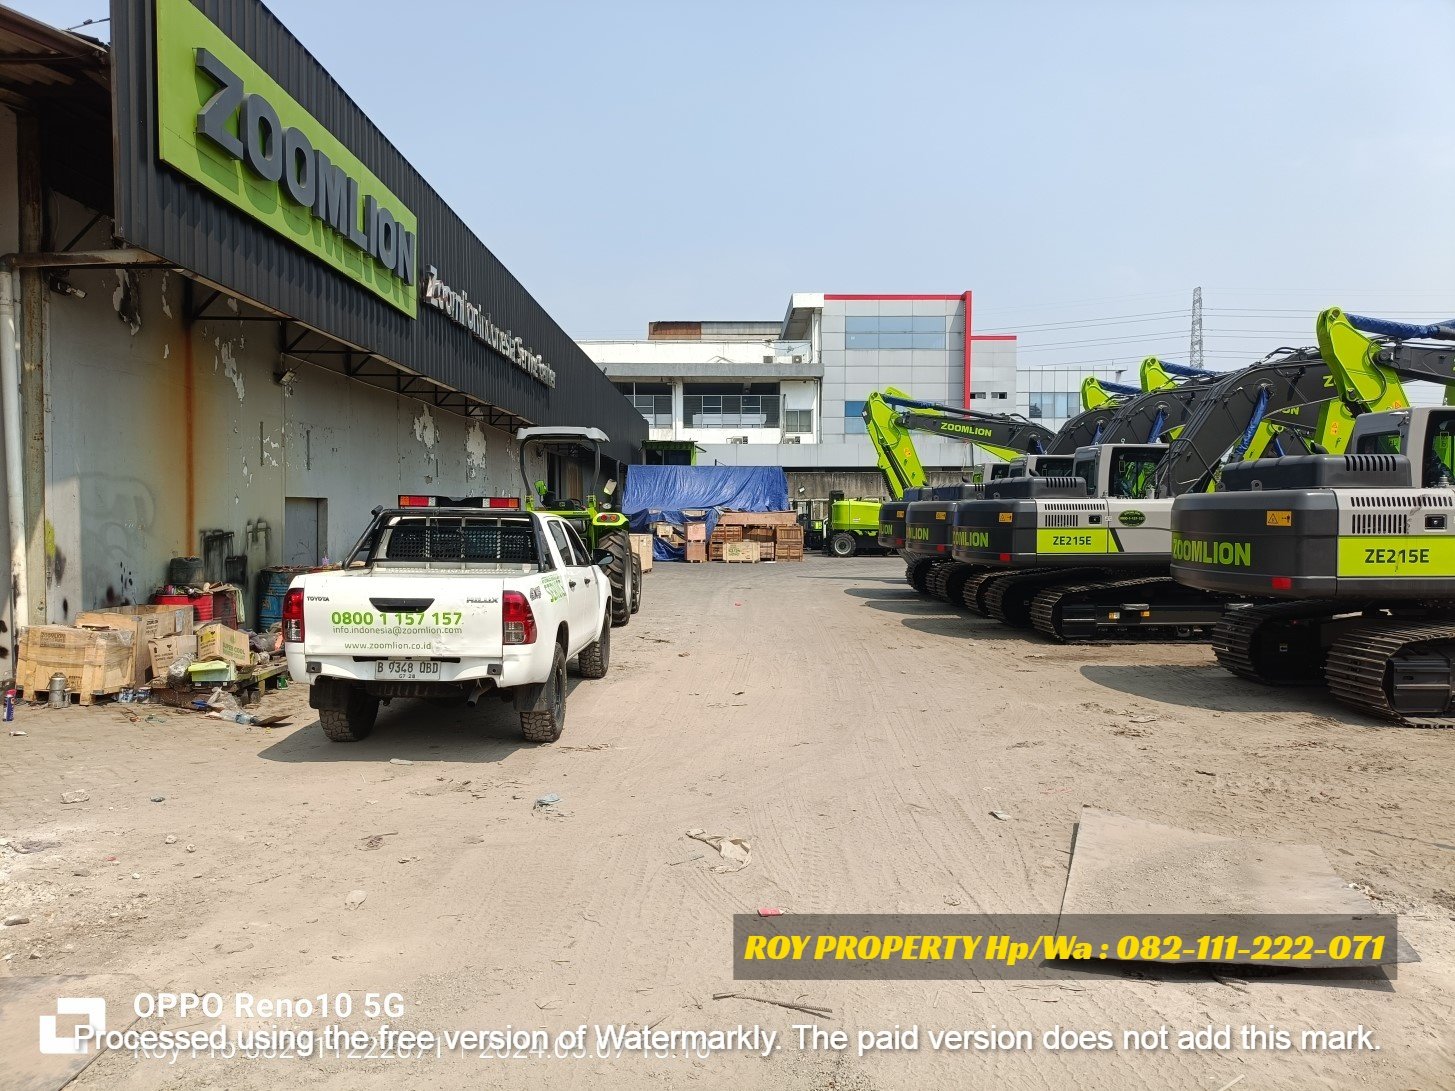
(696,551)
(216,641)
(642,547)
(167,650)
(145,623)
(93,660)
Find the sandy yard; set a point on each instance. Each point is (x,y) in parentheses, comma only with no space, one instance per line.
(856,735)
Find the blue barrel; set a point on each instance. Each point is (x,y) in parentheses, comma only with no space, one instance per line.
(274,585)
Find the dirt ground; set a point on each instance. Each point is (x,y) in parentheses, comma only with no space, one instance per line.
(857,736)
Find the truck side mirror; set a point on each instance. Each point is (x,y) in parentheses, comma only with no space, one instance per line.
(602,557)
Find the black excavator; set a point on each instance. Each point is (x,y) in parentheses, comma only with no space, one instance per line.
(1087,557)
(1353,555)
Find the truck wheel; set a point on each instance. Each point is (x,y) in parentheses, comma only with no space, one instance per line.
(636,583)
(843,544)
(596,658)
(619,575)
(543,717)
(352,722)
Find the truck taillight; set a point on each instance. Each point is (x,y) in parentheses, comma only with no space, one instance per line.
(504,501)
(293,616)
(416,501)
(518,624)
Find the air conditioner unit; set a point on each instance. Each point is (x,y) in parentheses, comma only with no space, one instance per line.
(798,359)
(737,439)
(792,439)
(767,359)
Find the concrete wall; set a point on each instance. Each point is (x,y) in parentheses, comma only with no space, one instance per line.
(157,433)
(9,242)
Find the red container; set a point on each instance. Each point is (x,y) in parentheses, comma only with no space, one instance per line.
(201,604)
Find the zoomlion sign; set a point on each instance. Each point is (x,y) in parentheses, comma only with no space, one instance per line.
(458,308)
(1198,551)
(227,124)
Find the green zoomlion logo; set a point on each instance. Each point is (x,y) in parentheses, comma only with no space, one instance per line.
(918,534)
(1131,518)
(972,539)
(959,429)
(1233,554)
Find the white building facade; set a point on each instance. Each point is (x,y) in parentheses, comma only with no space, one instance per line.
(791,393)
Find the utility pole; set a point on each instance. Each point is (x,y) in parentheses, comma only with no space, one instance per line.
(1194,356)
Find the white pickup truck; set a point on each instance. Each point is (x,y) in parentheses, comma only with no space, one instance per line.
(447,597)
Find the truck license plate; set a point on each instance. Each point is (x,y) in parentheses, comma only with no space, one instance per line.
(409,670)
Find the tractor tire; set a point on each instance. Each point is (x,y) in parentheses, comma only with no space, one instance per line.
(543,711)
(636,583)
(595,659)
(843,544)
(354,721)
(619,575)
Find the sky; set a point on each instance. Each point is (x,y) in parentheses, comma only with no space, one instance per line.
(1080,167)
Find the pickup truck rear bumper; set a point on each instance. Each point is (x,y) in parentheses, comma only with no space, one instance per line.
(518,669)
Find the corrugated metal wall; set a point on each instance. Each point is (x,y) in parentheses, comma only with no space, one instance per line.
(161,211)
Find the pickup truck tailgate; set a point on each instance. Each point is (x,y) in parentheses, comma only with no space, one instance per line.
(402,616)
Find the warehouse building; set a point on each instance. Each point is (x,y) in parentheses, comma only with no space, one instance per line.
(791,392)
(234,318)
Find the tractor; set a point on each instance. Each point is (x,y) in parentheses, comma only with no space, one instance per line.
(598,525)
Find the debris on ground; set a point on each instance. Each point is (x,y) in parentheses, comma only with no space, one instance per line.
(355,899)
(737,850)
(75,797)
(769,911)
(12,922)
(548,800)
(807,1009)
(400,761)
(1000,815)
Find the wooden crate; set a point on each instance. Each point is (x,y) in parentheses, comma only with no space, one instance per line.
(727,533)
(696,532)
(94,661)
(741,552)
(765,535)
(714,550)
(788,534)
(695,553)
(787,552)
(758,518)
(642,547)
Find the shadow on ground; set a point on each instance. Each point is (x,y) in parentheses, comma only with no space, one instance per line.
(420,732)
(1211,687)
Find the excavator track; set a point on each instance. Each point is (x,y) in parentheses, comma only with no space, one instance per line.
(1278,643)
(955,582)
(935,585)
(915,572)
(1079,613)
(972,594)
(1400,672)
(1008,596)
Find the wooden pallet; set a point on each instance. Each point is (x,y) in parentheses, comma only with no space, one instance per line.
(247,688)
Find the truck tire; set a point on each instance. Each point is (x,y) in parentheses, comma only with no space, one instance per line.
(843,544)
(595,658)
(352,722)
(543,714)
(636,583)
(619,575)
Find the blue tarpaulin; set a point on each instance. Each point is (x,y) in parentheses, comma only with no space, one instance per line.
(660,494)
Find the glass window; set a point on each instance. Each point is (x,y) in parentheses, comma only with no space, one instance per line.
(558,534)
(731,405)
(1439,467)
(854,409)
(580,555)
(798,420)
(895,332)
(1131,474)
(855,426)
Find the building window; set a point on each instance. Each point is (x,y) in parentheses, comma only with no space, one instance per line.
(798,420)
(999,394)
(854,419)
(730,405)
(1055,404)
(895,332)
(652,400)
